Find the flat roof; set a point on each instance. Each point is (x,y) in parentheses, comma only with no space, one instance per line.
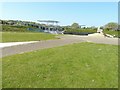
(50,21)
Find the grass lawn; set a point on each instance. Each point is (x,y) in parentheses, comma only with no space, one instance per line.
(83,65)
(25,36)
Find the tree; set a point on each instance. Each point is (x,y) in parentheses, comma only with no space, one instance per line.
(75,26)
(111,26)
(93,27)
(118,27)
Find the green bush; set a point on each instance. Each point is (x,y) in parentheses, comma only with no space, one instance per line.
(15,28)
(81,30)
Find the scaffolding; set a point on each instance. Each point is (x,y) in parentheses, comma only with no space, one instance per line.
(49,22)
(52,26)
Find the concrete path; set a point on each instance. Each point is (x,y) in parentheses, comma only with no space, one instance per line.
(67,39)
(6,51)
(8,44)
(100,39)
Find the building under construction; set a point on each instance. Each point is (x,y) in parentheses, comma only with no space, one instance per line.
(50,26)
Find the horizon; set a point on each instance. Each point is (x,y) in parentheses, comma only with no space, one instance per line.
(84,13)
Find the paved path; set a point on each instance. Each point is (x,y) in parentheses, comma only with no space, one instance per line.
(67,39)
(100,39)
(8,44)
(38,45)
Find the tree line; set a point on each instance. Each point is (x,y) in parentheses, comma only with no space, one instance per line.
(108,26)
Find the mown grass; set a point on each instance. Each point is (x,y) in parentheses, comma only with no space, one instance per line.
(84,65)
(25,36)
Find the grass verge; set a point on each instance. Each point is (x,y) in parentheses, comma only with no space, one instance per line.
(113,33)
(25,36)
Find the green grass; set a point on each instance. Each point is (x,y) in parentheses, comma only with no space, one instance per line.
(81,30)
(25,36)
(84,65)
(113,33)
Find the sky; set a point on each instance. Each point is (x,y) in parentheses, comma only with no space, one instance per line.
(84,13)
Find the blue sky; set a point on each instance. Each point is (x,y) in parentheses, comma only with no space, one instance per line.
(87,13)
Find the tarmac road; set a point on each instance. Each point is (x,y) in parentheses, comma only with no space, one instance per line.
(64,40)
